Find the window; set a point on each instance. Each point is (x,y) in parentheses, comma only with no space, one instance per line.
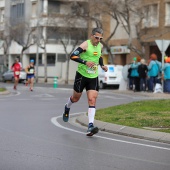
(1,60)
(61,58)
(53,7)
(33,56)
(67,35)
(1,15)
(51,59)
(34,9)
(17,11)
(167,13)
(150,16)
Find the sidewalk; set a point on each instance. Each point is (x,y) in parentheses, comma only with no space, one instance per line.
(127,131)
(145,94)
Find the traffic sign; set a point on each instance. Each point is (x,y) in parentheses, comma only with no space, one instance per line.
(162,44)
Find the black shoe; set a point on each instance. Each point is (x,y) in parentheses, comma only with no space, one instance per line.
(66,114)
(92,130)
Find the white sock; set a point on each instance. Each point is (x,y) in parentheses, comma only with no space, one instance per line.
(69,103)
(91,114)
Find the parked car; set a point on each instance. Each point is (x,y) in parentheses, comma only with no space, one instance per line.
(111,77)
(9,76)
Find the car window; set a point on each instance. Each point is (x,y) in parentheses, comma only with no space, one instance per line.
(111,69)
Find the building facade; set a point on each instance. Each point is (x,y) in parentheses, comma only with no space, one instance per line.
(54,36)
(154,25)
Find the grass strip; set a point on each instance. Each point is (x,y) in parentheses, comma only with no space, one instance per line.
(2,89)
(150,114)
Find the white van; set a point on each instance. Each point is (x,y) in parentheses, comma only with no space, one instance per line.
(112,77)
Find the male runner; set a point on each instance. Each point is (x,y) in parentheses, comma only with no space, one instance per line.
(88,55)
(16,67)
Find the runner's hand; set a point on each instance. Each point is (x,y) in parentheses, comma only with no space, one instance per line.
(90,64)
(105,68)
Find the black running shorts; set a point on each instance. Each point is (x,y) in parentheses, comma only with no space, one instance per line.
(82,82)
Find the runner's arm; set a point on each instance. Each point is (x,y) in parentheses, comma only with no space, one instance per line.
(75,56)
(12,67)
(26,69)
(101,61)
(102,64)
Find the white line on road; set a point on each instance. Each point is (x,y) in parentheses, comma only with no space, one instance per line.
(55,122)
(112,97)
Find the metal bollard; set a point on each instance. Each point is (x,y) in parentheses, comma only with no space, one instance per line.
(55,82)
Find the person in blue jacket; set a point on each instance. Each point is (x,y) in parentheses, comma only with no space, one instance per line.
(154,68)
(166,75)
(134,73)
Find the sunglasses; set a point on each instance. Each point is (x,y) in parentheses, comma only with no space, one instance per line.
(98,38)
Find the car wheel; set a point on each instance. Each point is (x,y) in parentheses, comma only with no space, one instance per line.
(3,79)
(102,85)
(13,80)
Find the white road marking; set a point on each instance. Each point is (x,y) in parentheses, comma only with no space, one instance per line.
(43,95)
(112,97)
(55,122)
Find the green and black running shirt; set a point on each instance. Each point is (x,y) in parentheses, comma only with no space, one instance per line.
(92,54)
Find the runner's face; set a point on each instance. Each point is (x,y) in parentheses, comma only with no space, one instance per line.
(95,39)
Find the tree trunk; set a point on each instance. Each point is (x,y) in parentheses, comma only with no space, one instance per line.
(45,65)
(5,60)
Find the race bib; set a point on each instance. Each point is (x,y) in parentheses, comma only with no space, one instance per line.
(31,71)
(17,72)
(92,70)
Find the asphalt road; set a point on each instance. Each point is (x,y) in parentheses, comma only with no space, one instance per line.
(34,137)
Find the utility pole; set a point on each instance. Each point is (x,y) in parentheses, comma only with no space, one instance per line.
(37,54)
(38,39)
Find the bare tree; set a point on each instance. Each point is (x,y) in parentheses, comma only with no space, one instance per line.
(68,34)
(42,39)
(6,41)
(23,35)
(123,13)
(72,32)
(131,16)
(5,45)
(92,14)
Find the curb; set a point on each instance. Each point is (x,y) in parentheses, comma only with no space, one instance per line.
(4,92)
(127,131)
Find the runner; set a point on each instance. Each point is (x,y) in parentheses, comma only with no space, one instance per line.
(16,67)
(88,55)
(30,70)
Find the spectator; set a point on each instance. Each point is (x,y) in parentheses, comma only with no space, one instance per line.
(154,68)
(134,73)
(142,70)
(166,75)
(130,79)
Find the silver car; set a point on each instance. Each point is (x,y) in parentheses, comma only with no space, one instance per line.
(9,76)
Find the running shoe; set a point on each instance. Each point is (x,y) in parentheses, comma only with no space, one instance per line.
(66,114)
(92,130)
(15,87)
